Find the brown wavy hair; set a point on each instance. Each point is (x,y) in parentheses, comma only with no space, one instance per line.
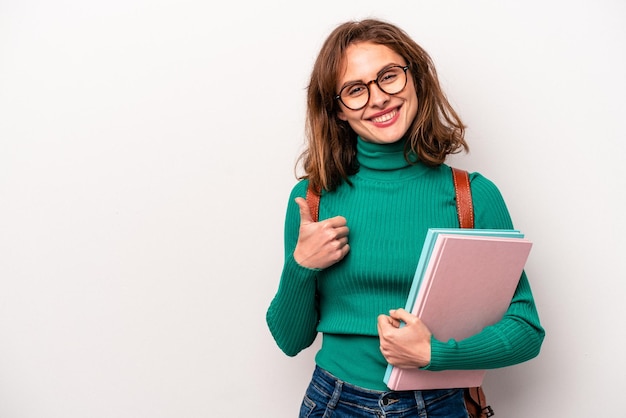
(330,156)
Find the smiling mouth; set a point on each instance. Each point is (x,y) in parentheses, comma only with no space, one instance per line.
(386,117)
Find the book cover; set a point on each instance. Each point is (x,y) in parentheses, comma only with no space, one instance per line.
(465,283)
(429,243)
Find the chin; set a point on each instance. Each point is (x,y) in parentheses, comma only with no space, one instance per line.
(382,136)
(391,139)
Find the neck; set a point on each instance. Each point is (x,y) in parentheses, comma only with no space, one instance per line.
(385,161)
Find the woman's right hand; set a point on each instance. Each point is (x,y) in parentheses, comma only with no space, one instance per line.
(320,244)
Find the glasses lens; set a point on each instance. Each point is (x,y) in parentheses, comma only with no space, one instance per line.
(355,96)
(392,81)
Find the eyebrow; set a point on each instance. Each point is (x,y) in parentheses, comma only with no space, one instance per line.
(382,70)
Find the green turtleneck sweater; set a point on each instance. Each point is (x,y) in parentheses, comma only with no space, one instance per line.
(389,206)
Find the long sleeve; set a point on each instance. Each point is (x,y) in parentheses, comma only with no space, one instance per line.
(293,314)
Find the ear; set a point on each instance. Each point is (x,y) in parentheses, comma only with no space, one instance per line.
(342,116)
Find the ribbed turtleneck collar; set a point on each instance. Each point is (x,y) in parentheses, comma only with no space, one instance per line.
(385,161)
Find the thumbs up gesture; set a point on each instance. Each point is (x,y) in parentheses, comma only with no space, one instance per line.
(320,244)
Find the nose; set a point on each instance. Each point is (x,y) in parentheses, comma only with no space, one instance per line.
(377,96)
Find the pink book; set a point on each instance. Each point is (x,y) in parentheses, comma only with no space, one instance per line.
(467,285)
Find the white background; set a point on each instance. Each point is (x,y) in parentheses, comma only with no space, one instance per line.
(147,151)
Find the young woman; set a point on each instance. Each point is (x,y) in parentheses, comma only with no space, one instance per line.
(379,130)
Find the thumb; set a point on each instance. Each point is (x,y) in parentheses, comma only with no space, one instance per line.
(305,212)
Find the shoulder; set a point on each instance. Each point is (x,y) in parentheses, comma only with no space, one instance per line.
(489,206)
(299,189)
(484,187)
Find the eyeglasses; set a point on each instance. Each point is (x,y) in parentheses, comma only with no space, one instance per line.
(391,80)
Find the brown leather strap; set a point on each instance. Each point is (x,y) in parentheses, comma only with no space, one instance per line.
(476,403)
(313,199)
(464,206)
(475,400)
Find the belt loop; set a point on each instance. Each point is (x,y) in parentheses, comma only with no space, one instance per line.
(334,400)
(421,405)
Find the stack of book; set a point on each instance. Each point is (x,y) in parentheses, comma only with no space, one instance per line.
(464,282)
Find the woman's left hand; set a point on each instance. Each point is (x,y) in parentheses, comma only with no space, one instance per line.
(407,346)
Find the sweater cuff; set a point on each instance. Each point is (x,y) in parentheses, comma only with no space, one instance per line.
(299,266)
(440,354)
(298,274)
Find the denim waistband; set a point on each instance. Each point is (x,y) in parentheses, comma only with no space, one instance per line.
(340,391)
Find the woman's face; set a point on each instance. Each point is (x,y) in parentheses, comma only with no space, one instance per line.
(385,118)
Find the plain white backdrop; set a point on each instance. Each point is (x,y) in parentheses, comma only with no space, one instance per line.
(147,150)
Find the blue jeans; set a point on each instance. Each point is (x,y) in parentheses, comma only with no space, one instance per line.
(328,397)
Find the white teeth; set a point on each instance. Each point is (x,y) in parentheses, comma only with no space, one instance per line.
(385,117)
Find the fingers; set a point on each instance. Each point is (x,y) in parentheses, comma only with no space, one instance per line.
(407,346)
(402,315)
(385,322)
(320,244)
(339,248)
(338,222)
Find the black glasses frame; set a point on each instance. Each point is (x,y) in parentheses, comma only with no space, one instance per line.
(367,86)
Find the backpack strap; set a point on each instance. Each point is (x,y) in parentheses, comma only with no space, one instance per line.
(313,199)
(464,206)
